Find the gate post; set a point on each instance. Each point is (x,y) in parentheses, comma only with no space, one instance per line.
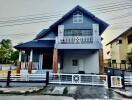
(109,79)
(47,78)
(122,81)
(8,78)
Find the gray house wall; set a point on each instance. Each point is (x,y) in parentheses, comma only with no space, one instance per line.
(87,23)
(89,61)
(68,24)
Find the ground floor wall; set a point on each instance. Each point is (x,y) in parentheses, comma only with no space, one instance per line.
(81,60)
(71,61)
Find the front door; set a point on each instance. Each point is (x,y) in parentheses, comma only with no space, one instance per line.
(47,60)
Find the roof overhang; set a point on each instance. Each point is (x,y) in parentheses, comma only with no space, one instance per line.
(119,36)
(36,44)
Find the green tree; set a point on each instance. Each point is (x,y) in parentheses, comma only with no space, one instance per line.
(14,56)
(5,51)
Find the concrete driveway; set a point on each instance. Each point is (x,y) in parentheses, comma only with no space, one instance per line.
(47,97)
(35,98)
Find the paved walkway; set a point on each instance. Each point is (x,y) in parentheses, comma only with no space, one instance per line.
(68,92)
(81,92)
(47,97)
(19,90)
(127,92)
(35,98)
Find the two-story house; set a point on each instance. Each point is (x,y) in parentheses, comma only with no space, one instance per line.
(121,48)
(70,45)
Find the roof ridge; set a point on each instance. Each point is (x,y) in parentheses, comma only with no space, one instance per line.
(78,7)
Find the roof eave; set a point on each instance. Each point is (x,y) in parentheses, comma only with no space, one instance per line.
(119,36)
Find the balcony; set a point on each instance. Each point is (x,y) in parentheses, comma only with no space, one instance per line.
(78,38)
(78,42)
(75,40)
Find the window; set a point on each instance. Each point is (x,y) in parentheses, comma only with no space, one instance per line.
(120,41)
(113,61)
(78,32)
(75,62)
(123,61)
(129,38)
(78,17)
(110,45)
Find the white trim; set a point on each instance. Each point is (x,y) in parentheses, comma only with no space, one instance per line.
(81,80)
(31,55)
(116,85)
(20,56)
(40,61)
(96,37)
(77,15)
(47,39)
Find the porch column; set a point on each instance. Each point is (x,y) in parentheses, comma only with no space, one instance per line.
(55,61)
(30,62)
(19,63)
(101,61)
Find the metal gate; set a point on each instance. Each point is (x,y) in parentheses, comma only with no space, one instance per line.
(82,79)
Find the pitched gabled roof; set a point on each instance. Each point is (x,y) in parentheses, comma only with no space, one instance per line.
(103,25)
(41,33)
(36,44)
(119,35)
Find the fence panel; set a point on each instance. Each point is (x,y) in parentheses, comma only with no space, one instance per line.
(17,80)
(83,79)
(128,80)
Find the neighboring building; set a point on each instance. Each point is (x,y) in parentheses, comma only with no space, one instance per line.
(121,48)
(70,45)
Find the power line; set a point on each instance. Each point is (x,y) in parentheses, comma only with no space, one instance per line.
(28,19)
(126,8)
(119,3)
(112,6)
(124,15)
(128,21)
(27,23)
(34,33)
(38,21)
(97,9)
(31,20)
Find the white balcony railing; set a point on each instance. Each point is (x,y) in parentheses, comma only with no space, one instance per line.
(74,40)
(24,65)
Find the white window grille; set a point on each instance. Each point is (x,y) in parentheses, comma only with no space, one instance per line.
(78,17)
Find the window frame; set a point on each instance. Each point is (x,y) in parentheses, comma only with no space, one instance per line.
(75,62)
(113,61)
(129,41)
(77,17)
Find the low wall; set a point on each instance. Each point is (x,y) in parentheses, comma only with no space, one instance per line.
(7,67)
(118,72)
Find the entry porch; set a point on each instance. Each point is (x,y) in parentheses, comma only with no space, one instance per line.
(59,61)
(41,56)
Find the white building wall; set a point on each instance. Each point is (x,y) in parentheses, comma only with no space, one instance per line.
(115,52)
(88,61)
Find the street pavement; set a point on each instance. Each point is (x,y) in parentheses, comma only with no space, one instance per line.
(46,97)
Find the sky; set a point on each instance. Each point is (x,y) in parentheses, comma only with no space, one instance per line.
(22,20)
